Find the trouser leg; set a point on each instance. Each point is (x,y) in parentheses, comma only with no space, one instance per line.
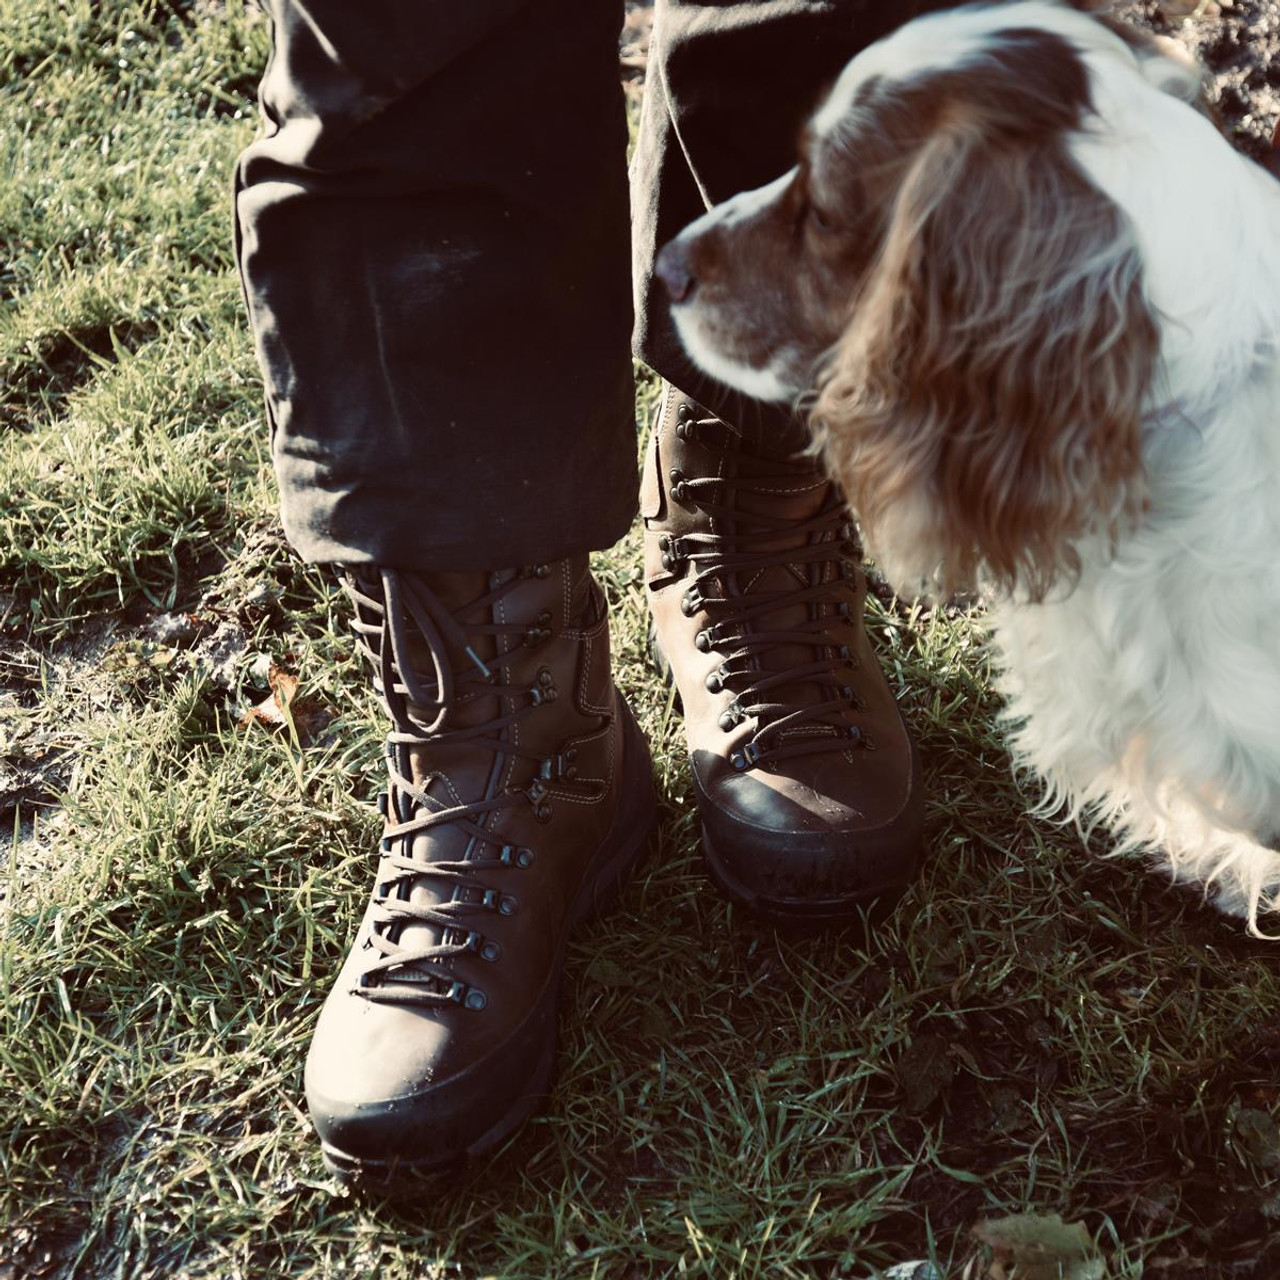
(433,243)
(727,91)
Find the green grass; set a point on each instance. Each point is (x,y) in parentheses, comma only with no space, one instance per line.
(1033,1029)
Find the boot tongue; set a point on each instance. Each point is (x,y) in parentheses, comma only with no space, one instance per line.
(452,772)
(776,489)
(470,706)
(455,772)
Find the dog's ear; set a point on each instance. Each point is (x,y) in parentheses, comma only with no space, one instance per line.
(984,407)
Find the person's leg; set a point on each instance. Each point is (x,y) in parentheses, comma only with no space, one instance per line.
(807,781)
(433,242)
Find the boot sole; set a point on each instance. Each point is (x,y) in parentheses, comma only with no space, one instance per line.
(633,827)
(813,911)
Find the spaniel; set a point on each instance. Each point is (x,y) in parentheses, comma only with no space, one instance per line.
(1030,299)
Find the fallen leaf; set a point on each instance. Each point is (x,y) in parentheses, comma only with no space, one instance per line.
(273,710)
(1040,1247)
(284,705)
(136,657)
(1257,1133)
(924,1072)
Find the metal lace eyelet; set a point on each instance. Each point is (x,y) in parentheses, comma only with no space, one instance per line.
(744,759)
(679,490)
(539,630)
(558,768)
(715,680)
(491,951)
(691,602)
(544,688)
(513,856)
(507,905)
(702,641)
(730,717)
(564,764)
(536,793)
(673,553)
(855,734)
(476,999)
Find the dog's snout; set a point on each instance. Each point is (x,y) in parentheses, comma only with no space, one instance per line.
(674,270)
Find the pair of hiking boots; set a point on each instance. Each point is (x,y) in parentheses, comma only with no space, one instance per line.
(520,794)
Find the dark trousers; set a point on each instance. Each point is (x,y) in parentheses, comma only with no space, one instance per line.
(433,238)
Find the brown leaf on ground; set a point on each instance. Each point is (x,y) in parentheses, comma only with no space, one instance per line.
(273,710)
(283,706)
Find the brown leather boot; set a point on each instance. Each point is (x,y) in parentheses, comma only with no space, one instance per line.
(806,779)
(520,797)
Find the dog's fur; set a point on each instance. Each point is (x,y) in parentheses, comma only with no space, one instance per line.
(1032,299)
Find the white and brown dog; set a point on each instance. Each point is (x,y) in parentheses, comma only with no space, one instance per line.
(1030,299)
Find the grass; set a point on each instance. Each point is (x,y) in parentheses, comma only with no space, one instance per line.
(1034,1029)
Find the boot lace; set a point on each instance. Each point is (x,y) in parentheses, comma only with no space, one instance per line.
(422,705)
(740,546)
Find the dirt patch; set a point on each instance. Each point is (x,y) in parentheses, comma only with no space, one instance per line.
(1238,42)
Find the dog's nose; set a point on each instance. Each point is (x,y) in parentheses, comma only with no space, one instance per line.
(673,270)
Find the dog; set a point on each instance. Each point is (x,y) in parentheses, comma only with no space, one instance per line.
(1029,299)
